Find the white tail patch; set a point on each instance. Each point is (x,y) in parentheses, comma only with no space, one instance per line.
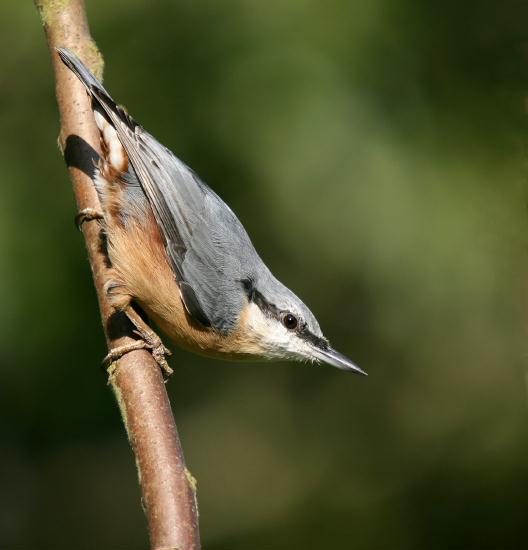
(99,120)
(117,157)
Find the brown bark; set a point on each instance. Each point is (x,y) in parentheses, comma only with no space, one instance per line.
(168,489)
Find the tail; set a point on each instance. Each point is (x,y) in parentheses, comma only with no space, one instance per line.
(113,172)
(108,107)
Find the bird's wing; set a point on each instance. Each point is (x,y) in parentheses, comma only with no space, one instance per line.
(204,239)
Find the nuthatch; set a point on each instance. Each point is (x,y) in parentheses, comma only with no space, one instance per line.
(180,252)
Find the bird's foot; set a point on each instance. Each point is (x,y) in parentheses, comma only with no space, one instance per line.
(158,351)
(87,215)
(151,340)
(116,353)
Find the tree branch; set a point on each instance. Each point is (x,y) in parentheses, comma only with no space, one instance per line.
(168,489)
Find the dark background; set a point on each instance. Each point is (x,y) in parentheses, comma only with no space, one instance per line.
(375,151)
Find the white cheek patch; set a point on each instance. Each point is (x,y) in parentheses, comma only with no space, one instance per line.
(274,339)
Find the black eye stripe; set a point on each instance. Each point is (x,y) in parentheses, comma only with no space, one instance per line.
(249,287)
(317,341)
(267,307)
(273,311)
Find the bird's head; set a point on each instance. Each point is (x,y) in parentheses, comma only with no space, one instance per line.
(281,327)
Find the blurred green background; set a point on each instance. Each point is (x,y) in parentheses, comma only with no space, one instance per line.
(375,151)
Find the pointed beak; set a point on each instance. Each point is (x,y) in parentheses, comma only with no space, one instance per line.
(336,359)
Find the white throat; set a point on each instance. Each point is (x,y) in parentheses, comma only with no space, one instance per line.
(273,338)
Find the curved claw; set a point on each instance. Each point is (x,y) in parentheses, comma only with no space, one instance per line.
(87,215)
(158,352)
(116,353)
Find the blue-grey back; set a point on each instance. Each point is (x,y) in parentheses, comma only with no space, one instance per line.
(209,249)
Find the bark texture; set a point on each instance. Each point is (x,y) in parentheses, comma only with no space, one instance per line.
(169,492)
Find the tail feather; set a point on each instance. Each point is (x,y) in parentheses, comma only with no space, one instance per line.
(96,90)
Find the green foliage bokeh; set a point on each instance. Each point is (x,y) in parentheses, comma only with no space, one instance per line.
(375,153)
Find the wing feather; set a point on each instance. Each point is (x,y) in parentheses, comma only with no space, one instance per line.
(204,239)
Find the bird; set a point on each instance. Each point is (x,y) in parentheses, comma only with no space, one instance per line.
(179,252)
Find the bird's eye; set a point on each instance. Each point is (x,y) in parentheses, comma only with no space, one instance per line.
(290,321)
